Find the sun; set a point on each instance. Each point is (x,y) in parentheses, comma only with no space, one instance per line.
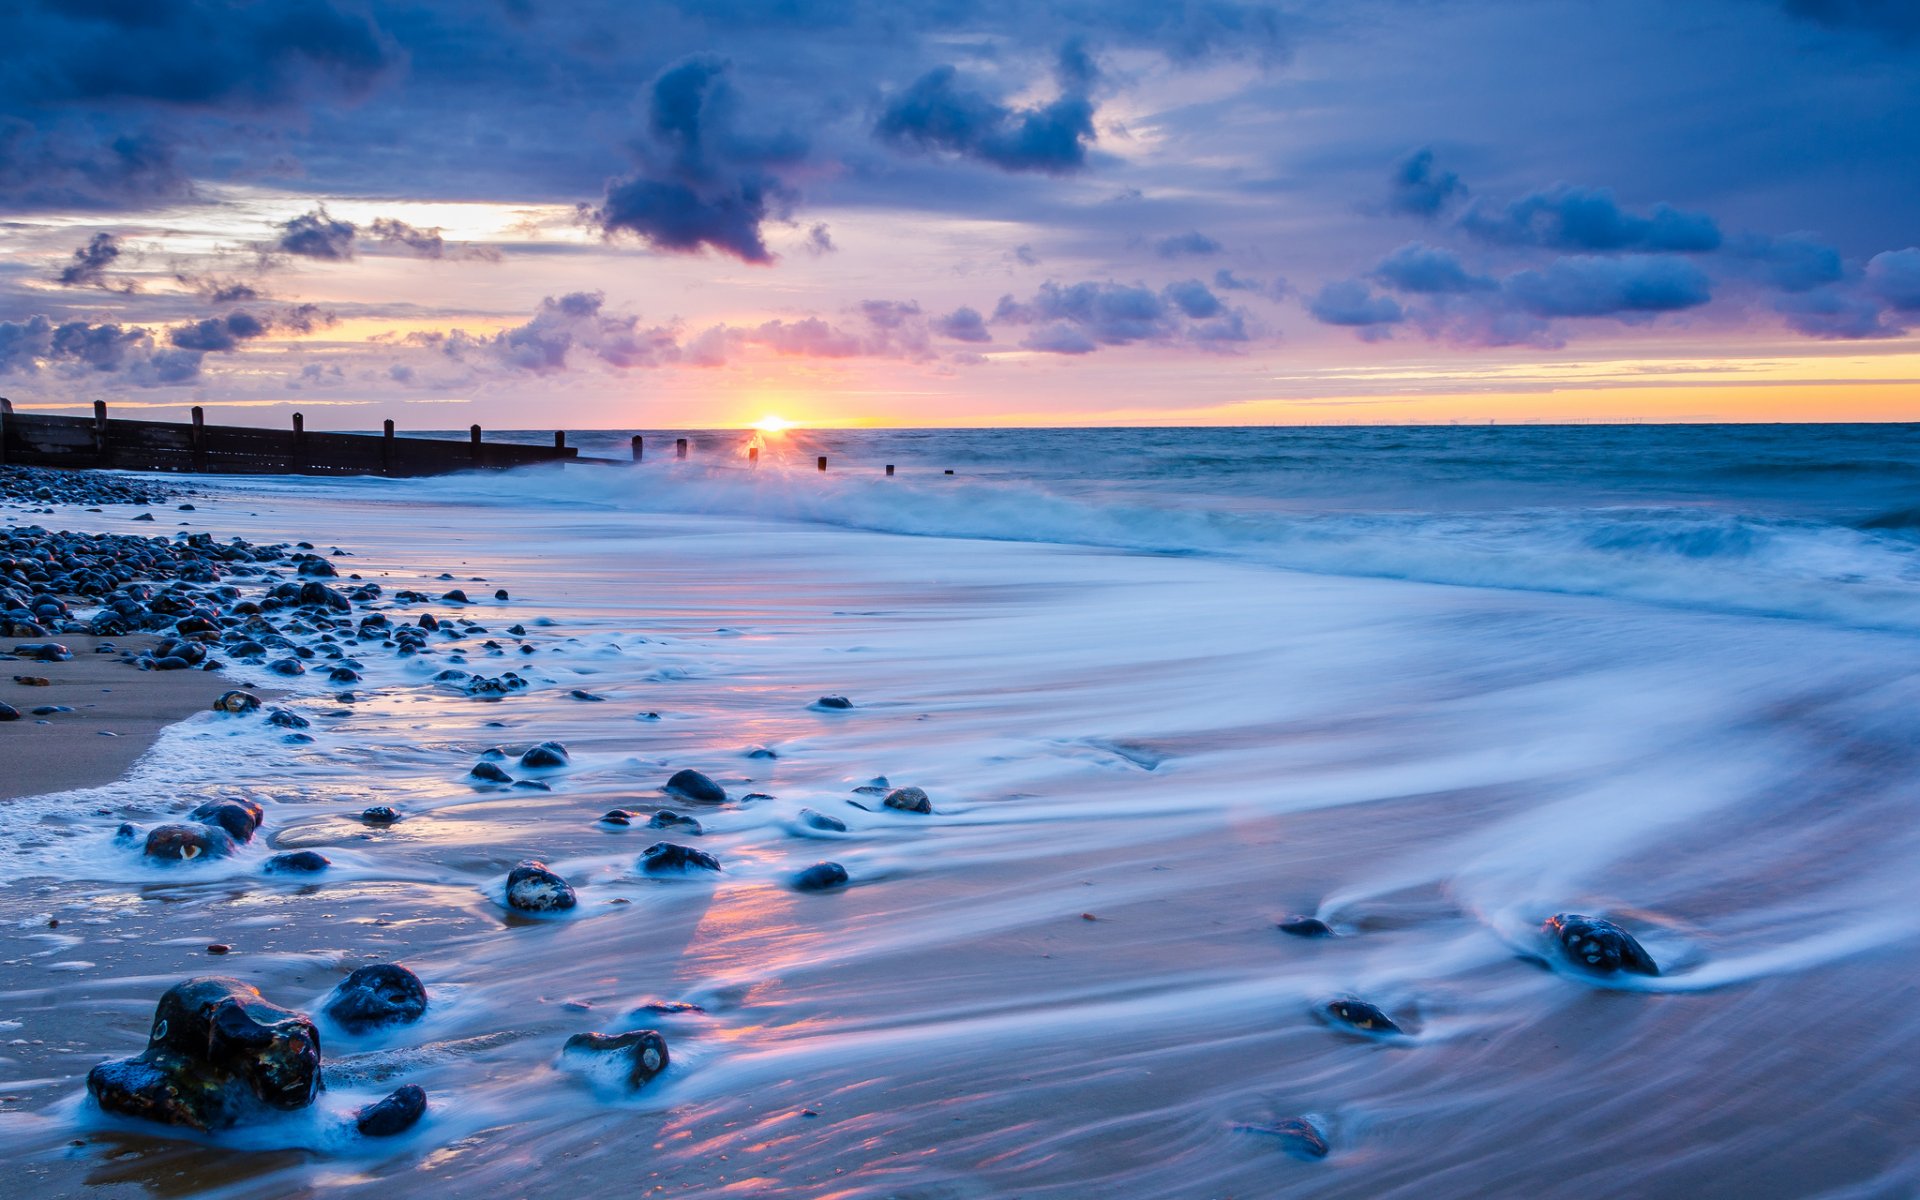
(773,424)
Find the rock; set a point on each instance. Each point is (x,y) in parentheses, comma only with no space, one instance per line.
(286,666)
(666,818)
(239,818)
(533,785)
(344,675)
(396,1114)
(297,862)
(533,888)
(187,842)
(580,693)
(1598,946)
(908,799)
(377,996)
(500,594)
(456,596)
(820,877)
(833,703)
(44,652)
(619,816)
(48,710)
(1306,927)
(236,702)
(545,757)
(762,752)
(9,713)
(219,1054)
(281,718)
(671,856)
(644,1052)
(818,820)
(33,681)
(380,814)
(1359,1016)
(1298,1136)
(692,785)
(487,772)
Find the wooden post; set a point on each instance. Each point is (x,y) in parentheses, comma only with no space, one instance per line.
(679,447)
(386,448)
(299,443)
(949,470)
(639,443)
(823,462)
(753,455)
(559,439)
(199,439)
(473,443)
(99,433)
(889,468)
(6,410)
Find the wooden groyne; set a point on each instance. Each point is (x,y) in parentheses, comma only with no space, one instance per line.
(40,440)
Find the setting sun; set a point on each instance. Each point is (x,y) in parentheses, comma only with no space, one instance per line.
(773,424)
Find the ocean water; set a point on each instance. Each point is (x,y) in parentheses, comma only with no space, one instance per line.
(1165,688)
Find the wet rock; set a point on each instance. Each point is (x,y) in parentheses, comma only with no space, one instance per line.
(545,757)
(48,710)
(456,596)
(297,862)
(821,877)
(281,718)
(33,681)
(762,752)
(582,693)
(1306,927)
(377,996)
(692,785)
(819,820)
(344,675)
(533,785)
(666,818)
(183,843)
(500,594)
(236,702)
(1357,1015)
(43,652)
(219,1054)
(619,816)
(1599,946)
(238,818)
(380,814)
(908,799)
(1297,1136)
(642,1053)
(9,713)
(671,856)
(487,772)
(533,888)
(396,1114)
(833,703)
(287,666)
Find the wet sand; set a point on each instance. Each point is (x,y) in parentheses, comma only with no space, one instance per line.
(118,712)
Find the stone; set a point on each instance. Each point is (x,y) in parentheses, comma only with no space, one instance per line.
(579,693)
(546,756)
(1297,1136)
(833,703)
(908,799)
(8,712)
(297,862)
(666,818)
(819,820)
(377,996)
(692,785)
(239,818)
(380,814)
(533,888)
(1306,927)
(1598,945)
(619,816)
(821,877)
(183,843)
(219,1054)
(487,772)
(1358,1016)
(236,702)
(281,718)
(396,1114)
(287,666)
(671,856)
(642,1052)
(44,652)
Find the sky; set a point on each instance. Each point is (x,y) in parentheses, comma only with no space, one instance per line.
(961,212)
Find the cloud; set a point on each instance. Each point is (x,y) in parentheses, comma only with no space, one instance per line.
(820,239)
(90,262)
(422,243)
(1796,262)
(1416,189)
(316,235)
(1227,281)
(215,334)
(61,167)
(1060,337)
(1194,299)
(937,114)
(1026,255)
(1427,270)
(545,344)
(1592,286)
(77,349)
(1350,303)
(701,183)
(1108,314)
(1182,244)
(1896,20)
(963,324)
(1829,313)
(1894,276)
(1576,218)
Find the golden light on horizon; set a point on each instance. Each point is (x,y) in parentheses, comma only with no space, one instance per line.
(773,424)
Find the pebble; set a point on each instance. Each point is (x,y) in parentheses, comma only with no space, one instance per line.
(377,996)
(1598,945)
(297,862)
(380,814)
(396,1114)
(821,877)
(1359,1016)
(817,820)
(833,702)
(531,887)
(692,785)
(1306,927)
(644,1050)
(671,856)
(908,799)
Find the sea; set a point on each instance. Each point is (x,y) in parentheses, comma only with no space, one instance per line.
(1166,689)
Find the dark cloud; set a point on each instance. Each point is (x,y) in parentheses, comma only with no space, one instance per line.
(1592,286)
(1796,262)
(937,114)
(1227,281)
(1110,314)
(1831,313)
(77,349)
(1576,218)
(219,290)
(1894,276)
(1351,303)
(820,239)
(1416,189)
(1026,256)
(1061,337)
(963,324)
(702,182)
(69,166)
(90,262)
(1194,299)
(575,321)
(1427,270)
(1182,244)
(218,334)
(317,235)
(1897,20)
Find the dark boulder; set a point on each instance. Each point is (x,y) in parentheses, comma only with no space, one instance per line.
(819,820)
(240,818)
(177,843)
(236,702)
(1358,1016)
(533,888)
(671,856)
(546,756)
(9,713)
(219,1054)
(666,818)
(833,703)
(281,718)
(487,772)
(377,996)
(908,799)
(380,814)
(1599,946)
(821,877)
(642,1053)
(396,1114)
(619,816)
(297,862)
(692,785)
(1306,927)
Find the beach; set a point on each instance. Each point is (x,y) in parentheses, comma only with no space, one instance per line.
(1066,979)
